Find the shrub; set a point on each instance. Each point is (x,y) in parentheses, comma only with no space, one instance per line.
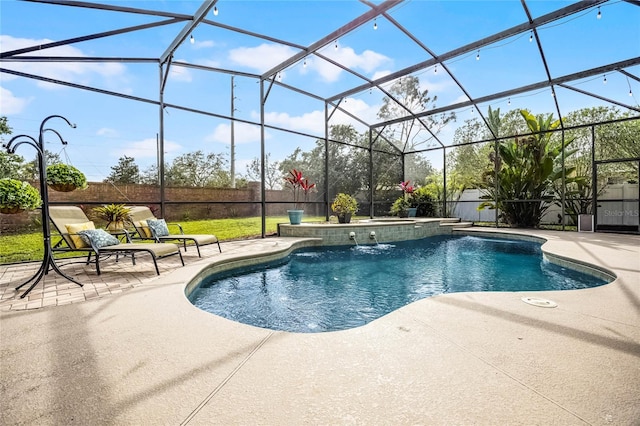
(16,196)
(344,204)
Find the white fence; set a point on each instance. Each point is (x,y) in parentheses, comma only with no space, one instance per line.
(619,212)
(609,212)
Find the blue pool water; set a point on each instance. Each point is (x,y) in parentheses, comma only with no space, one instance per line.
(337,288)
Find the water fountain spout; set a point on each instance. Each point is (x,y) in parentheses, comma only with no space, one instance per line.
(352,236)
(372,236)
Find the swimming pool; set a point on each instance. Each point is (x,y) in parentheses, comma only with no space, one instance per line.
(337,288)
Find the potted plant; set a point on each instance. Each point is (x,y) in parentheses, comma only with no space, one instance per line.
(17,196)
(116,216)
(408,194)
(64,178)
(400,207)
(344,205)
(300,186)
(406,205)
(423,202)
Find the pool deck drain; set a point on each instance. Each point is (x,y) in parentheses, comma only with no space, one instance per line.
(542,303)
(140,353)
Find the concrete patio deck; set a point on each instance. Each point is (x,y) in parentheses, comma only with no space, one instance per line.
(129,349)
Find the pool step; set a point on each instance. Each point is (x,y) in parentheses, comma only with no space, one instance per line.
(457,224)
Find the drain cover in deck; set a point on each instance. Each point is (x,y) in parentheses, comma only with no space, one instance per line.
(542,303)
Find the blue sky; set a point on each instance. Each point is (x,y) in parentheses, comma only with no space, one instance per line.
(109,127)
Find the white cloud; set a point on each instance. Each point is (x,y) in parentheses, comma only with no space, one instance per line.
(10,104)
(358,108)
(107,132)
(459,99)
(380,74)
(436,84)
(177,73)
(80,72)
(145,148)
(367,61)
(312,122)
(206,44)
(242,133)
(261,58)
(265,56)
(207,63)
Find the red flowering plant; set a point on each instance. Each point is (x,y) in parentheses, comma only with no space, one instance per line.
(300,186)
(407,189)
(401,206)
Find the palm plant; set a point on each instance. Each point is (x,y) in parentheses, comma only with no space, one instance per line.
(116,215)
(519,183)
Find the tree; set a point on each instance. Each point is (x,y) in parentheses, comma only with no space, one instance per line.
(408,135)
(125,172)
(149,176)
(272,175)
(465,158)
(469,160)
(519,180)
(4,128)
(348,170)
(348,163)
(30,170)
(198,169)
(434,188)
(11,166)
(411,134)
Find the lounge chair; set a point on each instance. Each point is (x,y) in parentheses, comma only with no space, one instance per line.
(72,223)
(148,227)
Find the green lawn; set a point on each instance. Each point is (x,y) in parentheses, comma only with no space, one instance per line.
(28,246)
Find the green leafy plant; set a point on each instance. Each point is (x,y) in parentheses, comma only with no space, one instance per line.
(64,177)
(116,215)
(422,200)
(400,207)
(434,191)
(17,196)
(520,180)
(344,205)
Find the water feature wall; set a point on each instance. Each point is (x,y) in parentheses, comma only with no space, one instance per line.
(386,230)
